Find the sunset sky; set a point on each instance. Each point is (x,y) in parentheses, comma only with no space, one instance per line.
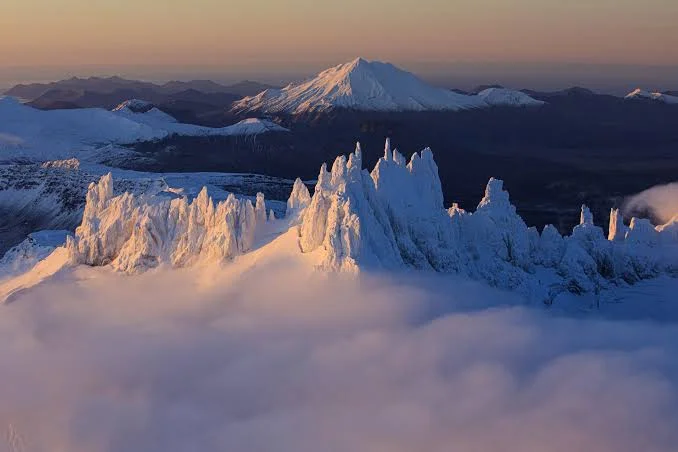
(158,38)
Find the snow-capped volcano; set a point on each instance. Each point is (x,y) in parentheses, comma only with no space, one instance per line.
(647,95)
(359,85)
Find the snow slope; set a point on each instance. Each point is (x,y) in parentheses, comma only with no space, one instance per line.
(37,246)
(358,85)
(36,135)
(647,95)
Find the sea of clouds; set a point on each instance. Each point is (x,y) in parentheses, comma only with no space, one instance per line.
(272,360)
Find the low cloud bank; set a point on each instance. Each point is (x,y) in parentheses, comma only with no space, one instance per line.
(660,201)
(264,360)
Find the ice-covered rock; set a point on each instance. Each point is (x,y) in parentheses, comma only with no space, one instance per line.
(299,199)
(390,218)
(346,221)
(135,233)
(669,231)
(617,229)
(641,231)
(551,247)
(394,217)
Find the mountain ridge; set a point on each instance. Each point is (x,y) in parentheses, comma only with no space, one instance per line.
(109,85)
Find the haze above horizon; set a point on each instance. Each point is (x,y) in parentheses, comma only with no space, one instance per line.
(603,44)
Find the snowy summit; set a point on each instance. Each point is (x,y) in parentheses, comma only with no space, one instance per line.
(359,85)
(640,94)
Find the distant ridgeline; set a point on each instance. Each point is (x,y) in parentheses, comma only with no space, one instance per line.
(392,218)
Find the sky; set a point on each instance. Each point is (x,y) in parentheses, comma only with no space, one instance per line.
(284,39)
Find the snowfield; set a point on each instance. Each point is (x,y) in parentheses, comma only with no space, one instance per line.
(89,134)
(366,317)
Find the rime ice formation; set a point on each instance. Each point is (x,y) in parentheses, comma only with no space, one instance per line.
(390,218)
(135,233)
(299,198)
(394,217)
(617,229)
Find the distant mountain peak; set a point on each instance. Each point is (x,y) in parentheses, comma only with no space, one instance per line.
(359,85)
(641,94)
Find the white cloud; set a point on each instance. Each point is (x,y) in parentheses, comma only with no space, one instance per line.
(267,360)
(661,201)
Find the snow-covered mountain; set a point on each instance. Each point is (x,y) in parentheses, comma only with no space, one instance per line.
(37,135)
(503,97)
(388,219)
(639,94)
(359,85)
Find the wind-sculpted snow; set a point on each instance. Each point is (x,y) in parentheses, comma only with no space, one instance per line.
(391,218)
(299,199)
(134,233)
(394,217)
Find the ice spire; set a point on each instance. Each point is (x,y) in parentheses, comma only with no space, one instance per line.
(355,160)
(299,198)
(134,233)
(495,196)
(586,216)
(260,208)
(398,158)
(617,230)
(388,155)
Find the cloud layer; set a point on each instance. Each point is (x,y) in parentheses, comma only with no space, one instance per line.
(661,201)
(269,360)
